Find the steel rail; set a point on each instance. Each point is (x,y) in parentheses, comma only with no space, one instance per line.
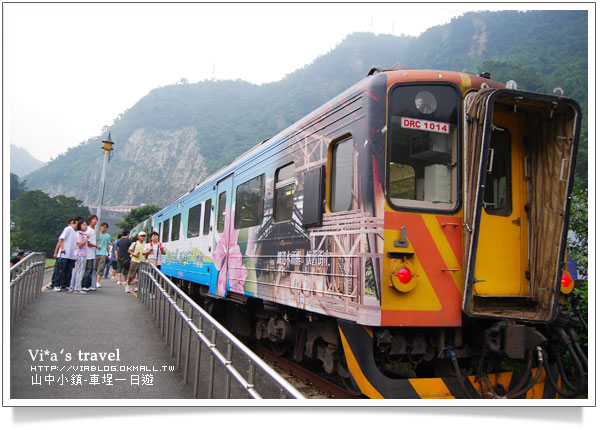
(330,388)
(26,278)
(163,298)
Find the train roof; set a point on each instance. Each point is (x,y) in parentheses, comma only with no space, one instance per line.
(466,81)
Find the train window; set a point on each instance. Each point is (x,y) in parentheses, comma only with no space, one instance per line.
(250,203)
(423,147)
(221,211)
(207,212)
(402,181)
(284,193)
(342,173)
(194,215)
(165,232)
(176,227)
(497,196)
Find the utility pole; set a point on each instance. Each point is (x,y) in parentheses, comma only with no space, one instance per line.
(107,151)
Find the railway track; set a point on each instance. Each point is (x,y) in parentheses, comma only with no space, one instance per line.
(310,384)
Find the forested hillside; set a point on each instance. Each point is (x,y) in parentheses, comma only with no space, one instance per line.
(176,135)
(22,162)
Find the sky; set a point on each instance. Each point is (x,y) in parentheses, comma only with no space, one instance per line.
(70,69)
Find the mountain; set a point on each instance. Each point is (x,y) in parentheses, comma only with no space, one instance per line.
(175,136)
(22,162)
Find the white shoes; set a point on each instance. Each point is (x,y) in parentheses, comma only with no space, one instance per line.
(98,285)
(127,289)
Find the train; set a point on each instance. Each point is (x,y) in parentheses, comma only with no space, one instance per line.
(407,238)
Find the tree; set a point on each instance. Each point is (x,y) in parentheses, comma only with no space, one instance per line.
(578,224)
(578,251)
(39,219)
(137,215)
(16,186)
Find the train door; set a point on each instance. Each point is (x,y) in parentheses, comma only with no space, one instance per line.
(519,165)
(502,265)
(221,233)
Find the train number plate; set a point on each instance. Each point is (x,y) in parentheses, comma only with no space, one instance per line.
(425,125)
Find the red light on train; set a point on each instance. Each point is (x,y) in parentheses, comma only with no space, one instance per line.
(565,280)
(404,275)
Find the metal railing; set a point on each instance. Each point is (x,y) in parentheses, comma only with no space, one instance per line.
(26,279)
(174,312)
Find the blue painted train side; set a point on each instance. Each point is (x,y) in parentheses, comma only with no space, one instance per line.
(194,255)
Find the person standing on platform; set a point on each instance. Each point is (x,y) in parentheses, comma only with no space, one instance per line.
(108,260)
(113,259)
(66,249)
(107,268)
(102,254)
(123,258)
(80,254)
(86,283)
(154,250)
(58,264)
(136,249)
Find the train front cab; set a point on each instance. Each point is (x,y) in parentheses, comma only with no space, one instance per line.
(475,234)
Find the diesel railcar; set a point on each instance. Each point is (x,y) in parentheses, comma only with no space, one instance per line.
(408,237)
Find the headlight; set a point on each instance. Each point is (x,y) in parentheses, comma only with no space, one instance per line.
(425,102)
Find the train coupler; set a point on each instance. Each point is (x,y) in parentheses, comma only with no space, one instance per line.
(513,340)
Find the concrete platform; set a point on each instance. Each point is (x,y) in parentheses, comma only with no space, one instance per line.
(101,345)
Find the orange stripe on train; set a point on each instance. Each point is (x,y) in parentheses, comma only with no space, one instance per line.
(452,228)
(431,260)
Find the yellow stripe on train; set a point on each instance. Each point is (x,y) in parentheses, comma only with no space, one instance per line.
(431,388)
(432,245)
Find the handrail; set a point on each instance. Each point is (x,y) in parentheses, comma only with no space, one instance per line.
(162,296)
(26,278)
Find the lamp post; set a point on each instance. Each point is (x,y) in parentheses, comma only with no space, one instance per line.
(107,151)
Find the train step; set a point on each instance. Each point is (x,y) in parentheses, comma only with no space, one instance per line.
(513,301)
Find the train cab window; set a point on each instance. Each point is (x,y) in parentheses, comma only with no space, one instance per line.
(284,193)
(402,181)
(249,203)
(342,171)
(207,213)
(176,227)
(423,147)
(497,196)
(165,232)
(222,208)
(194,214)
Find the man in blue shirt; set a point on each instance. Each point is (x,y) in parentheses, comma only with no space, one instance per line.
(102,253)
